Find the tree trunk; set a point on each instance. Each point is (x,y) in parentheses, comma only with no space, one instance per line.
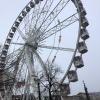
(50,96)
(39,93)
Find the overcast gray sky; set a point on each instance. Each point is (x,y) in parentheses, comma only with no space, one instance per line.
(9,9)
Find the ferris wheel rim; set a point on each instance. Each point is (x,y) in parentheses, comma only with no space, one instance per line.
(18,16)
(75,51)
(17,19)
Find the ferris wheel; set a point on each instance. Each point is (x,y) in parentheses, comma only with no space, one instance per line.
(45,31)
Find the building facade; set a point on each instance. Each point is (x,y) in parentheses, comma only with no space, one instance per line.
(82,96)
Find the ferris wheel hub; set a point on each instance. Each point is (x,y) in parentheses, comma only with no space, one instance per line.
(32,45)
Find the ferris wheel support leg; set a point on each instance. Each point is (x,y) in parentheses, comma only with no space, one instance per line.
(26,86)
(30,66)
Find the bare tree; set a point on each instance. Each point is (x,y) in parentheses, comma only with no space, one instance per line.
(51,78)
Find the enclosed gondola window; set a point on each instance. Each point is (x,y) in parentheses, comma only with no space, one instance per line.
(14,29)
(6,46)
(8,40)
(20,18)
(72,76)
(4,52)
(32,4)
(28,8)
(17,24)
(82,48)
(78,62)
(83,11)
(84,34)
(80,3)
(64,89)
(36,1)
(24,13)
(11,35)
(84,21)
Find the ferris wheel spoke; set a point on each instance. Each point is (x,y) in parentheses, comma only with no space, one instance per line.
(13,59)
(34,15)
(57,48)
(11,74)
(44,12)
(16,52)
(38,14)
(13,64)
(22,34)
(54,13)
(19,57)
(14,43)
(26,22)
(41,61)
(60,26)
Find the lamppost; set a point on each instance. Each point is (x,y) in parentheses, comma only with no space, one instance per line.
(86,91)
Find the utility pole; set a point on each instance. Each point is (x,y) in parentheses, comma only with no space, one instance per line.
(86,91)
